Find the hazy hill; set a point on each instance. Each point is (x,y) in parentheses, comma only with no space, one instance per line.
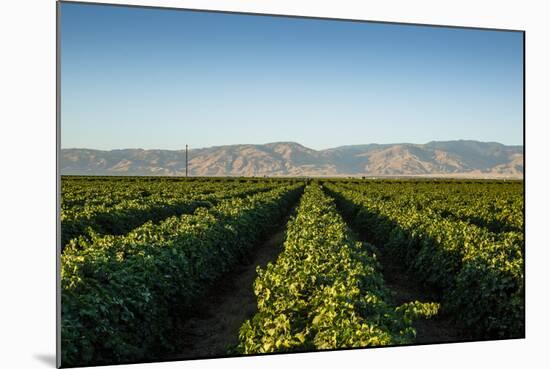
(442,158)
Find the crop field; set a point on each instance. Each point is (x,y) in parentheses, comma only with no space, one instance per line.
(152,267)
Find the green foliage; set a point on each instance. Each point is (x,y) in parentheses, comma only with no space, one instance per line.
(118,206)
(324,291)
(435,228)
(140,252)
(122,295)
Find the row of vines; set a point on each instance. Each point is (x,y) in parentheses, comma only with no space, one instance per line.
(123,294)
(138,253)
(325,290)
(476,265)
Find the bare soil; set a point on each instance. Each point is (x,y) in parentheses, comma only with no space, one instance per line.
(406,288)
(213,330)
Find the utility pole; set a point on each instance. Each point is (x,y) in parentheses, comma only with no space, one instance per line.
(186,161)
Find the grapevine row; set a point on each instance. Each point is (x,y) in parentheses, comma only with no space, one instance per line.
(497,207)
(122,295)
(129,214)
(325,290)
(479,273)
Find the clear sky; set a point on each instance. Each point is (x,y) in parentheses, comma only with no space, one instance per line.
(152,78)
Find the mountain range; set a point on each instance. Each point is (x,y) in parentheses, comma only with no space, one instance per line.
(461,158)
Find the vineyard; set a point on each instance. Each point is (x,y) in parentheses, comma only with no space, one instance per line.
(140,255)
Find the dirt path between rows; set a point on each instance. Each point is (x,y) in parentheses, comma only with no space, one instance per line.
(406,288)
(214,329)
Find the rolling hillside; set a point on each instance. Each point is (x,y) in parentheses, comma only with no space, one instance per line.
(442,158)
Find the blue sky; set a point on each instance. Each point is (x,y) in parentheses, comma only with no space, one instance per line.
(152,78)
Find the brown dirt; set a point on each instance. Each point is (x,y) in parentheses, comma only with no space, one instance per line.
(214,329)
(406,288)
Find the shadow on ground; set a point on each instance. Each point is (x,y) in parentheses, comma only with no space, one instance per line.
(48,359)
